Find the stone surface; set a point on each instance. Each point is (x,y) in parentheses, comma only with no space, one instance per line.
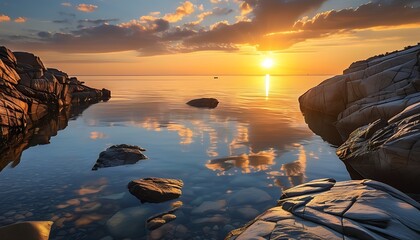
(30,93)
(35,230)
(250,195)
(350,105)
(204,103)
(118,155)
(155,190)
(325,209)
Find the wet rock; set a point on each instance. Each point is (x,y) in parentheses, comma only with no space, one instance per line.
(118,155)
(204,103)
(324,209)
(250,195)
(216,219)
(155,189)
(169,217)
(380,87)
(128,222)
(155,223)
(34,230)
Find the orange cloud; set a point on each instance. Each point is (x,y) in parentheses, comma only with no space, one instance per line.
(86,7)
(4,18)
(66,4)
(184,10)
(20,20)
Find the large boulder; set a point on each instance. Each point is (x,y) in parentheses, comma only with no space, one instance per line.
(155,190)
(118,155)
(204,102)
(362,106)
(325,209)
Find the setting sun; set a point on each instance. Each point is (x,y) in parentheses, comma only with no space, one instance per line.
(267,63)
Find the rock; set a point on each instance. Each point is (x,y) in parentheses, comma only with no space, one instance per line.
(29,93)
(118,155)
(34,230)
(155,223)
(250,195)
(216,219)
(169,217)
(207,207)
(380,87)
(204,103)
(324,209)
(128,222)
(155,189)
(247,212)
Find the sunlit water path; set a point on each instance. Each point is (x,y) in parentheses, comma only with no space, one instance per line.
(234,160)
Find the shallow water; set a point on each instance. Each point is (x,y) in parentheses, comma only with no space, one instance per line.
(234,160)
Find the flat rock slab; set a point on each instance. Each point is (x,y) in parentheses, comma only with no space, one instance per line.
(204,102)
(33,230)
(155,190)
(326,209)
(118,155)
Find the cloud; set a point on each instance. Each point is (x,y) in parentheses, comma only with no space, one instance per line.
(66,4)
(4,18)
(271,25)
(185,9)
(86,7)
(20,20)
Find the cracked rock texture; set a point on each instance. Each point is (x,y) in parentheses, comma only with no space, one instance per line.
(326,209)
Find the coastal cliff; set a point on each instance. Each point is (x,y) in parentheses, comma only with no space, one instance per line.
(372,111)
(34,98)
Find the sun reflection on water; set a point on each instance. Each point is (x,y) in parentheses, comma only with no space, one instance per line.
(267,85)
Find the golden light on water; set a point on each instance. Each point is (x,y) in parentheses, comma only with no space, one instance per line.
(267,85)
(267,63)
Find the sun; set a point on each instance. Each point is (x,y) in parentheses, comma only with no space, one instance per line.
(267,63)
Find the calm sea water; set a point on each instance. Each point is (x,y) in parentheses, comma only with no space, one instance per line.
(234,160)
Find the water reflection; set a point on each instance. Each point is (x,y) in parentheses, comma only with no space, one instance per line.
(267,85)
(246,162)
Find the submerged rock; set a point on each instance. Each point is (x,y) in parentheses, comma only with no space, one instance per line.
(324,209)
(204,103)
(379,88)
(118,155)
(34,230)
(128,222)
(155,190)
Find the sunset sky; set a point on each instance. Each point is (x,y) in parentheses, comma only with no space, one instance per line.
(207,37)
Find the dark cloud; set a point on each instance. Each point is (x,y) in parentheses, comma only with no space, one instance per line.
(269,25)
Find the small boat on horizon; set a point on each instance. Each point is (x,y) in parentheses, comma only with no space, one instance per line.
(215,77)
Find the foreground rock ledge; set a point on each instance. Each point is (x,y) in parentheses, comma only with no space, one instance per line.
(204,103)
(29,91)
(34,230)
(118,155)
(155,190)
(374,108)
(325,209)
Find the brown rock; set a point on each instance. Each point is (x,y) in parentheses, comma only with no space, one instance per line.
(204,103)
(155,189)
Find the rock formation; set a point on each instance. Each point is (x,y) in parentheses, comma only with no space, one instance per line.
(118,155)
(29,91)
(204,103)
(374,108)
(36,102)
(34,230)
(325,209)
(155,190)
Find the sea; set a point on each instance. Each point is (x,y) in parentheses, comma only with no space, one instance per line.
(234,160)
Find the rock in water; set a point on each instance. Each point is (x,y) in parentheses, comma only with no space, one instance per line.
(204,103)
(34,230)
(129,222)
(155,190)
(324,209)
(118,155)
(382,87)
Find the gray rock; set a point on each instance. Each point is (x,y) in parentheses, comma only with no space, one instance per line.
(324,209)
(385,87)
(155,189)
(210,206)
(128,222)
(204,103)
(118,155)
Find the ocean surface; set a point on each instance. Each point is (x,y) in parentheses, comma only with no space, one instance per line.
(234,160)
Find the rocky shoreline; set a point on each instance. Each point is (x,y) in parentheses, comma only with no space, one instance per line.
(33,97)
(372,113)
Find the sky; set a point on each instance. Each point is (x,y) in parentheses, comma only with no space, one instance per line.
(207,37)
